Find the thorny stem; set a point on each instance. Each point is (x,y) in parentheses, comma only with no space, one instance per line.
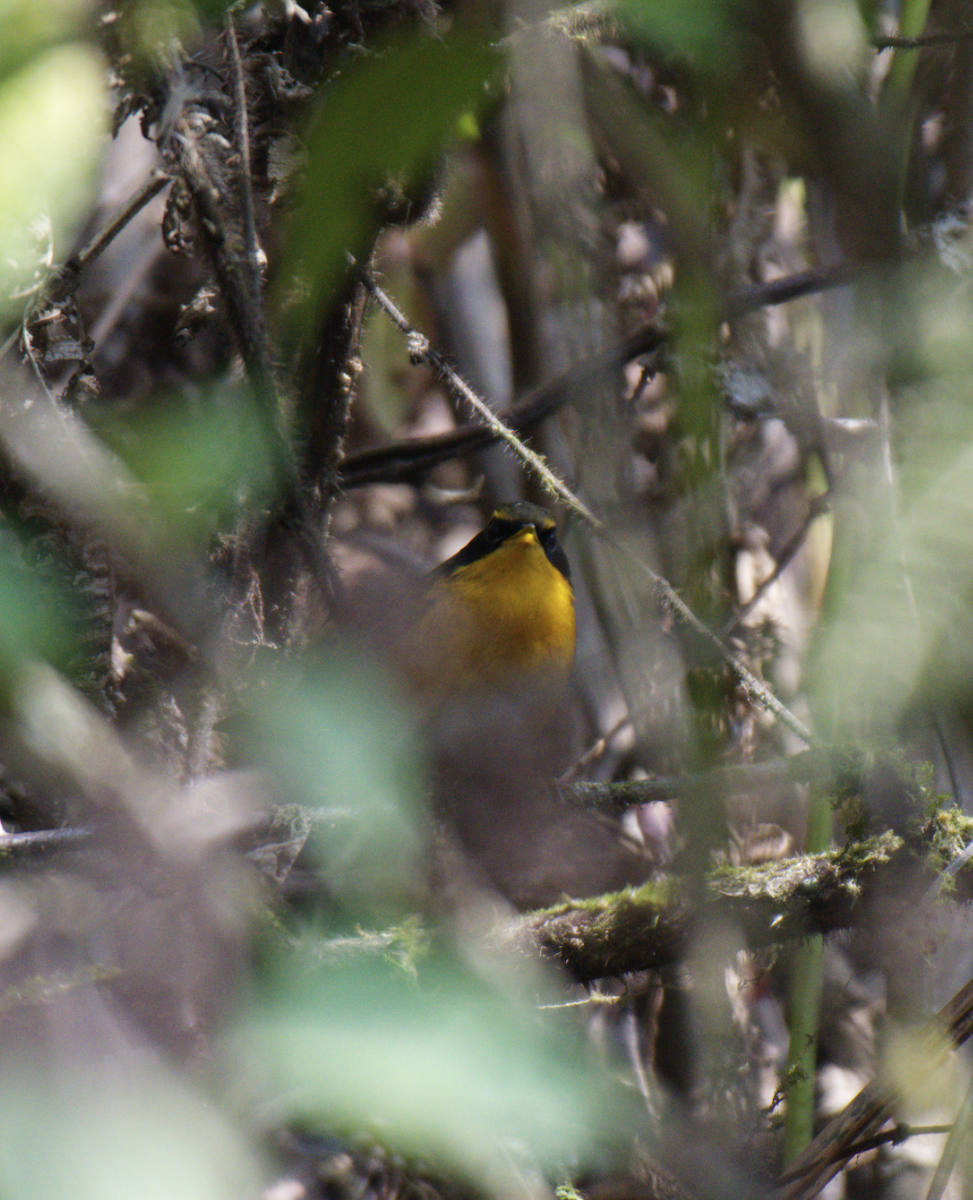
(420,350)
(242,133)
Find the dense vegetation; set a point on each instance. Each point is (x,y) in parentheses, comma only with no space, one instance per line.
(291,298)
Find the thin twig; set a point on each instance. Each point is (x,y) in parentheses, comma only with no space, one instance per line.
(421,350)
(403,461)
(406,460)
(864,1117)
(68,274)
(667,596)
(41,840)
(63,279)
(818,506)
(728,780)
(596,750)
(895,1136)
(943,37)
(957,1134)
(789,287)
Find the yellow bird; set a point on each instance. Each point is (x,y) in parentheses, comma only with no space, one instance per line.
(500,613)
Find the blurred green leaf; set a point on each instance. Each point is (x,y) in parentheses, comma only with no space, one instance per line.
(29,28)
(138,1132)
(53,121)
(910,587)
(151,26)
(707,32)
(341,745)
(383,124)
(444,1070)
(35,621)
(199,466)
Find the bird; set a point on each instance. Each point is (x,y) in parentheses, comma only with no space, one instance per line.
(499,614)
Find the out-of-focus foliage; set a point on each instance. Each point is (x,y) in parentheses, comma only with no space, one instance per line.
(202,467)
(135,1125)
(341,745)
(32,29)
(707,35)
(52,125)
(276,866)
(35,614)
(440,1065)
(375,147)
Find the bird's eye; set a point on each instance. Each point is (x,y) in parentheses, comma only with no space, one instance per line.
(493,533)
(549,539)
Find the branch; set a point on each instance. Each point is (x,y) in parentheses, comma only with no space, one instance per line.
(18,847)
(421,350)
(62,280)
(811,765)
(65,279)
(941,38)
(649,927)
(409,459)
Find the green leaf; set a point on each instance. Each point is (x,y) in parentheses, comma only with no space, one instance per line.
(384,123)
(34,616)
(134,1130)
(53,121)
(339,744)
(30,28)
(444,1069)
(707,32)
(198,466)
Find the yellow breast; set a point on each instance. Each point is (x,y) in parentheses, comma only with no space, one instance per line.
(506,616)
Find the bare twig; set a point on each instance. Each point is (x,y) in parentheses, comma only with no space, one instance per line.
(420,350)
(16,846)
(899,1133)
(404,461)
(789,287)
(63,279)
(595,750)
(818,506)
(957,1135)
(77,263)
(617,798)
(667,596)
(939,38)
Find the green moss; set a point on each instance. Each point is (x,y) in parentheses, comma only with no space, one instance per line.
(947,832)
(654,894)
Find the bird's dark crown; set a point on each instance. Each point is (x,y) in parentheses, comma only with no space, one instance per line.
(507,521)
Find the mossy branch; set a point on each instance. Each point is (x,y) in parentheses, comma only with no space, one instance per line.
(649,927)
